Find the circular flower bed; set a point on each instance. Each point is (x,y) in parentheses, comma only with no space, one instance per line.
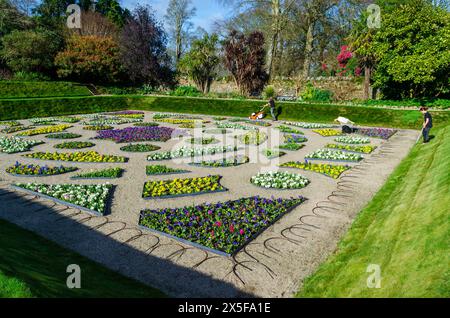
(337,155)
(139,148)
(64,136)
(16,144)
(181,187)
(75,145)
(90,156)
(362,149)
(279,180)
(327,132)
(333,171)
(352,140)
(36,170)
(223,226)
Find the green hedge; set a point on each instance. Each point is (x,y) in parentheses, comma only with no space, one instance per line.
(17,89)
(362,115)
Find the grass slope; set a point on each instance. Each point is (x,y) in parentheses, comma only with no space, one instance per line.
(14,89)
(31,266)
(405,229)
(363,115)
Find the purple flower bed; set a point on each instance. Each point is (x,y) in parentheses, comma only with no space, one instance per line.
(131,134)
(224,226)
(383,133)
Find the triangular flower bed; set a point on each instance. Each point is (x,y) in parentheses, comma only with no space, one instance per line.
(223,228)
(90,198)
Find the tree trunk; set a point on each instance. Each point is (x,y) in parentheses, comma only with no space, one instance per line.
(276,12)
(367,74)
(308,50)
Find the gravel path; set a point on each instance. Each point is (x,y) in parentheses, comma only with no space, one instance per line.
(273,265)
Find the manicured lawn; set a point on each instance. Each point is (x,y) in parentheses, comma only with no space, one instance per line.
(31,266)
(405,229)
(14,89)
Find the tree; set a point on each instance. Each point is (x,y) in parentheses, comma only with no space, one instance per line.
(30,50)
(93,23)
(244,59)
(90,59)
(51,13)
(201,61)
(24,6)
(113,11)
(178,16)
(411,52)
(143,47)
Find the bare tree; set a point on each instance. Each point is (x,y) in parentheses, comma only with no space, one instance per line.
(178,16)
(24,6)
(94,23)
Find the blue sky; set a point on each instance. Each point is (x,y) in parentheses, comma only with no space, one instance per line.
(208,11)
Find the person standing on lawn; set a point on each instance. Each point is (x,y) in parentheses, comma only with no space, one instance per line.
(271,104)
(427,124)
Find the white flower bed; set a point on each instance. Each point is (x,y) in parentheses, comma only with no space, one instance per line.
(234,126)
(279,180)
(187,151)
(308,125)
(15,144)
(92,197)
(353,140)
(327,154)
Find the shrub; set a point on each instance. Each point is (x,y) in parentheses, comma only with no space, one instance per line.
(186,91)
(313,94)
(269,92)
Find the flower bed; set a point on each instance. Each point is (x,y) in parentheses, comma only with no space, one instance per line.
(219,118)
(279,180)
(202,141)
(36,170)
(192,125)
(139,148)
(271,154)
(382,133)
(334,155)
(253,138)
(15,144)
(13,129)
(234,126)
(218,131)
(292,146)
(226,162)
(90,197)
(182,187)
(333,171)
(224,226)
(292,138)
(180,121)
(132,134)
(328,132)
(261,123)
(161,170)
(289,130)
(68,119)
(146,124)
(45,130)
(308,125)
(10,123)
(41,121)
(110,173)
(184,152)
(63,136)
(75,145)
(98,127)
(352,140)
(113,121)
(89,156)
(361,149)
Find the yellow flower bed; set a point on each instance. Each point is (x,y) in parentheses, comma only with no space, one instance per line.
(81,156)
(328,132)
(45,130)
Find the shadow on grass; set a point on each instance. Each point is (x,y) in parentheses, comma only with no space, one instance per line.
(41,264)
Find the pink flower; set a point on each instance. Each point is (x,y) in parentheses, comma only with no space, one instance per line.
(231,228)
(218,223)
(241,231)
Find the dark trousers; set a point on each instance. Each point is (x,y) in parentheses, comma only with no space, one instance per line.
(425,133)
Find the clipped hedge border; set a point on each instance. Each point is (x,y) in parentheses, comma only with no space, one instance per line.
(362,115)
